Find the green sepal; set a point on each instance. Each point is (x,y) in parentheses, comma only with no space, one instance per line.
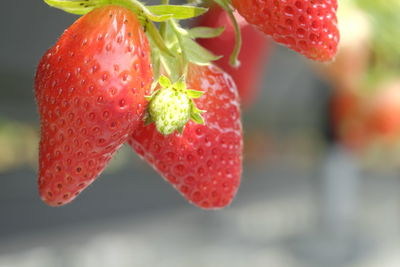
(205,32)
(194,93)
(196,110)
(180,84)
(195,113)
(197,118)
(164,81)
(180,130)
(177,12)
(148,120)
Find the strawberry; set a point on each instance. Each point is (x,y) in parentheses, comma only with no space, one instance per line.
(90,89)
(307,26)
(204,163)
(384,109)
(172,106)
(252,56)
(360,120)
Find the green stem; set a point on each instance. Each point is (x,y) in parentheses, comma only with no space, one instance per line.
(163,25)
(227,6)
(234,58)
(179,33)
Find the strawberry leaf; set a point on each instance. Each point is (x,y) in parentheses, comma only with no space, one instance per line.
(177,12)
(154,34)
(205,32)
(196,53)
(75,7)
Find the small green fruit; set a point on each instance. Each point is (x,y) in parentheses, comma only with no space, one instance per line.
(172,106)
(170,110)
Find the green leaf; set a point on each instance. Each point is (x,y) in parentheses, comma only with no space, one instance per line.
(194,93)
(138,7)
(177,12)
(164,81)
(206,32)
(75,7)
(157,18)
(196,53)
(81,7)
(154,34)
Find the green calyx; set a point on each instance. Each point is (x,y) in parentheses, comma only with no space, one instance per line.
(172,106)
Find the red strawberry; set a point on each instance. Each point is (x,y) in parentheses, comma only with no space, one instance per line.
(384,109)
(90,90)
(306,26)
(252,56)
(205,162)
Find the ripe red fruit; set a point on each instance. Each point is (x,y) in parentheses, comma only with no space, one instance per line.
(90,89)
(252,57)
(384,109)
(204,163)
(361,121)
(306,26)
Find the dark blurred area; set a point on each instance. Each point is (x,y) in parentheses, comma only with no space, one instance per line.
(320,186)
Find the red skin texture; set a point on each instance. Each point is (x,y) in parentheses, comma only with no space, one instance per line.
(255,47)
(90,89)
(306,26)
(204,163)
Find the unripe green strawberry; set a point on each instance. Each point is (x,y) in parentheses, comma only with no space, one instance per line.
(171,107)
(170,110)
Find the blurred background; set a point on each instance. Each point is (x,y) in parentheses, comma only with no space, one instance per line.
(320,186)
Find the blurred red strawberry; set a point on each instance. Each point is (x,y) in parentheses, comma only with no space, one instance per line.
(384,116)
(363,120)
(252,56)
